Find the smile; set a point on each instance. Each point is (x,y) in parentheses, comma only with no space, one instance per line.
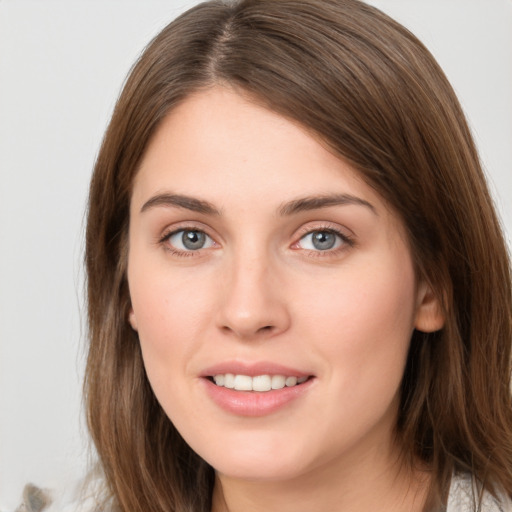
(256,388)
(259,383)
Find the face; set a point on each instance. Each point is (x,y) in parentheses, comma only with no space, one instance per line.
(272,290)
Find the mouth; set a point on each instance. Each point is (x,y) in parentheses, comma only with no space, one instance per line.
(256,388)
(258,383)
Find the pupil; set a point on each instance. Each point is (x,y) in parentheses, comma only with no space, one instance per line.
(323,240)
(193,239)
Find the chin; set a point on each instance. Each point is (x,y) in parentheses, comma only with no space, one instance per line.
(269,471)
(260,460)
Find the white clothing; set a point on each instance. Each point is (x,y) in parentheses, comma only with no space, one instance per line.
(462,496)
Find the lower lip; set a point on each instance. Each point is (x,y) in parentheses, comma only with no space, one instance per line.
(254,403)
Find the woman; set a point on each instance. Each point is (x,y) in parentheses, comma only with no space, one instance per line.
(299,293)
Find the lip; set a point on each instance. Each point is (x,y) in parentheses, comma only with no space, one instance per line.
(254,403)
(253,369)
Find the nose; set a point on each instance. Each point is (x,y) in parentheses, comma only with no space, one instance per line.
(253,304)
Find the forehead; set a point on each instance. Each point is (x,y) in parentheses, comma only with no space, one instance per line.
(223,144)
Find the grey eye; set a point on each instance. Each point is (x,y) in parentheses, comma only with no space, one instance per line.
(190,240)
(320,241)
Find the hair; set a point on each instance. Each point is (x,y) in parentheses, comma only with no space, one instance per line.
(373,93)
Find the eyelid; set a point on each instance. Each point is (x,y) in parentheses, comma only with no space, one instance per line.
(346,236)
(209,242)
(168,232)
(184,226)
(348,240)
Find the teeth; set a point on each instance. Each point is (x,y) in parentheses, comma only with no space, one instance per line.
(278,381)
(243,383)
(261,383)
(219,380)
(258,383)
(229,380)
(291,381)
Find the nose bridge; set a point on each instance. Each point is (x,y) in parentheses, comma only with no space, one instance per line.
(252,303)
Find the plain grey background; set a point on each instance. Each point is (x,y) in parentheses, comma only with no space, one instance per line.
(62,64)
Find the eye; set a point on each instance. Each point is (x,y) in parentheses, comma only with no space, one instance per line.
(322,240)
(186,240)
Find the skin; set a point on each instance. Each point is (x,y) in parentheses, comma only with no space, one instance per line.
(260,290)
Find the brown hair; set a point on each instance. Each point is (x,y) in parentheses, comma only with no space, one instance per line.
(369,89)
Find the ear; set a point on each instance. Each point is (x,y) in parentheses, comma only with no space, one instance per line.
(132,319)
(429,314)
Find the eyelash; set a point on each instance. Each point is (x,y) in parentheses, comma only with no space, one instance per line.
(346,241)
(164,241)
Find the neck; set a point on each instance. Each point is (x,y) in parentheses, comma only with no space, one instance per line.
(372,483)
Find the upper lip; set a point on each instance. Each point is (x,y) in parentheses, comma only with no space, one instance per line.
(252,369)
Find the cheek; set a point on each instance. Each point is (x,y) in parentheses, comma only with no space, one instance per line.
(166,320)
(362,324)
(363,319)
(173,312)
(164,330)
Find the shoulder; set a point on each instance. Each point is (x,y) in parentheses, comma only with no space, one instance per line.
(86,495)
(464,494)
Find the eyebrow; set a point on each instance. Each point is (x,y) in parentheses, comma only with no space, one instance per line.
(324,201)
(180,201)
(289,208)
